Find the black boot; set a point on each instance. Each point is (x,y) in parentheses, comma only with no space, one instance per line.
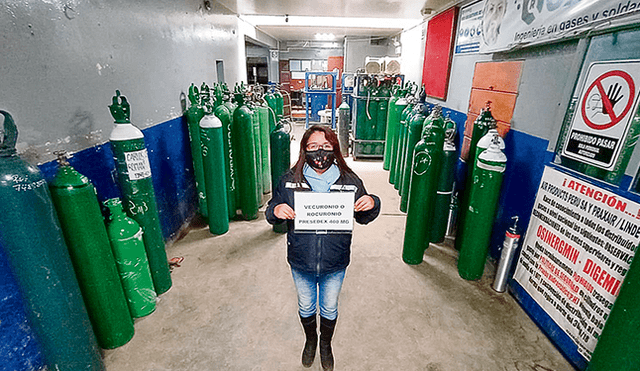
(309,352)
(326,333)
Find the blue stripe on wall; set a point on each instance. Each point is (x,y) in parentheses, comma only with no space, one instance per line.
(171,166)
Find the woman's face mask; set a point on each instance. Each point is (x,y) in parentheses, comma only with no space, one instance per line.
(320,159)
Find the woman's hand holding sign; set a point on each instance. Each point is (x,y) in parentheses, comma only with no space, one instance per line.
(364,203)
(284,211)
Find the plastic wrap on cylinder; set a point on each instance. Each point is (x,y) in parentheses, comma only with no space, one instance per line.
(39,259)
(79,213)
(125,236)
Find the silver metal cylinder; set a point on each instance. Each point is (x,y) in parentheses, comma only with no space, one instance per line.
(509,249)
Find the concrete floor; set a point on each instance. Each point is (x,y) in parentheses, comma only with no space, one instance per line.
(233,307)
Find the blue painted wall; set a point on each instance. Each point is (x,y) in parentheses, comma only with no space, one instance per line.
(171,167)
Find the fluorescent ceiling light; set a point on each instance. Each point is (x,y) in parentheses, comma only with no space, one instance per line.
(339,22)
(325,36)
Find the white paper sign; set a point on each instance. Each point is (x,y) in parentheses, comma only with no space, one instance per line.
(324,211)
(579,245)
(469,29)
(138,165)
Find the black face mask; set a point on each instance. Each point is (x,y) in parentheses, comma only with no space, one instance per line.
(320,159)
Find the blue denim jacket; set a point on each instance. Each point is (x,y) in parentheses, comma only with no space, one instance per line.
(319,253)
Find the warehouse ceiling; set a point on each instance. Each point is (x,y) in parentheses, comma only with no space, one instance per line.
(291,19)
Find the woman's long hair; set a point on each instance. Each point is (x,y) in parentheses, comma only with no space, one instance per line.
(331,138)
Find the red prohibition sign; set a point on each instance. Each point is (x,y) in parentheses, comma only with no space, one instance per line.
(606,102)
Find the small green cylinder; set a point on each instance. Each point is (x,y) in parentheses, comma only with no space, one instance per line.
(481,209)
(125,236)
(214,175)
(427,157)
(79,213)
(255,121)
(134,178)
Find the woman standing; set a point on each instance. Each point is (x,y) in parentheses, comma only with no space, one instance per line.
(319,260)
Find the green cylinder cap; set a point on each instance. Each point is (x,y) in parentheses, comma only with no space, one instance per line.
(120,109)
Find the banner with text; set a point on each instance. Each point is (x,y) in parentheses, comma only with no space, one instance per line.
(324,211)
(469,29)
(506,24)
(579,245)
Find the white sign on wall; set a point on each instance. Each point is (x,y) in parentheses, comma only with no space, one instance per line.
(578,248)
(606,105)
(469,29)
(324,211)
(506,24)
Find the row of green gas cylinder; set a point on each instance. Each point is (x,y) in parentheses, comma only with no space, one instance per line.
(240,147)
(421,156)
(85,277)
(85,270)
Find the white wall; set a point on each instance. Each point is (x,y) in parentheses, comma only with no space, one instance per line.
(61,62)
(412,54)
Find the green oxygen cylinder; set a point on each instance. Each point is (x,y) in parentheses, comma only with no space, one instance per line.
(344,117)
(481,146)
(280,161)
(381,119)
(445,186)
(279,104)
(415,108)
(134,178)
(39,260)
(263,113)
(395,114)
(125,236)
(427,157)
(225,116)
(390,127)
(194,115)
(617,348)
(244,146)
(399,146)
(371,120)
(76,202)
(414,130)
(270,98)
(257,148)
(481,211)
(215,179)
(481,126)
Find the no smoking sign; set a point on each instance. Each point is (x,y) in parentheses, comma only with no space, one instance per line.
(606,105)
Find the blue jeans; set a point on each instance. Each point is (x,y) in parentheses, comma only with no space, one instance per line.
(311,286)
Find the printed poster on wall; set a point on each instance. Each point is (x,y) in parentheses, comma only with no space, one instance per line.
(579,245)
(506,24)
(606,105)
(469,29)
